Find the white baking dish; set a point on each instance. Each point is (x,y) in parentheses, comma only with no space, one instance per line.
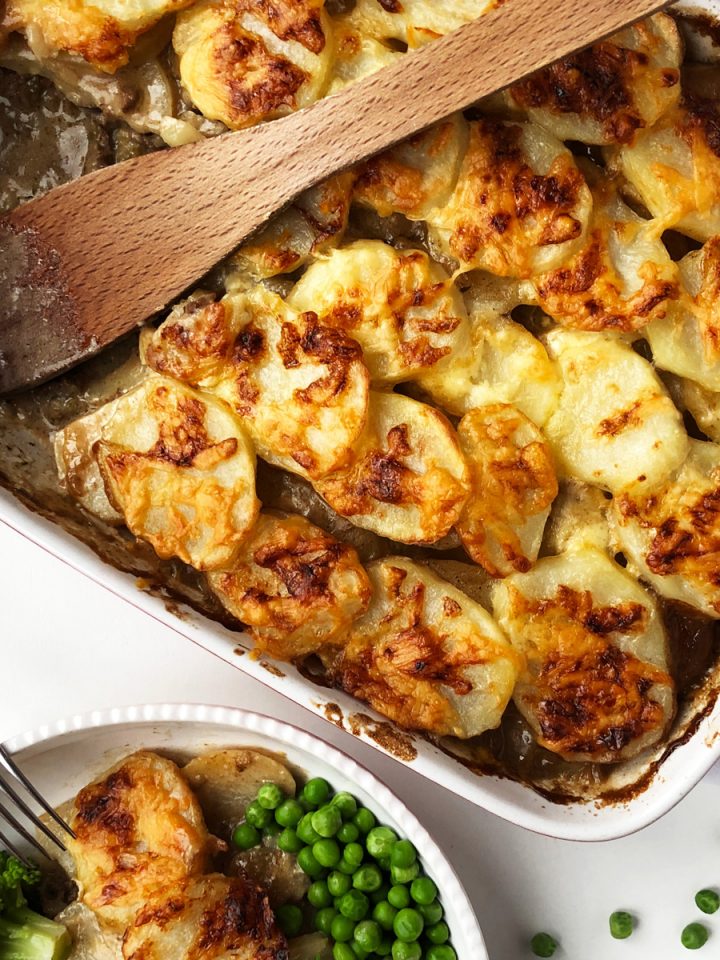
(687,759)
(62,757)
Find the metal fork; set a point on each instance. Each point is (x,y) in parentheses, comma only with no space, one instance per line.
(13,783)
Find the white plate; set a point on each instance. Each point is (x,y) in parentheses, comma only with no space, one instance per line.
(62,757)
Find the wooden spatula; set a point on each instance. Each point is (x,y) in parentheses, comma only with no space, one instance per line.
(92,259)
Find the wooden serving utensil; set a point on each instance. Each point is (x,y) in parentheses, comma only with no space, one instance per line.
(94,258)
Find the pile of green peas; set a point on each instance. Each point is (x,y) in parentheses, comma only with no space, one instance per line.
(368,893)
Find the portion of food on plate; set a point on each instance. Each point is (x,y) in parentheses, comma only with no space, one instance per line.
(228,854)
(443,433)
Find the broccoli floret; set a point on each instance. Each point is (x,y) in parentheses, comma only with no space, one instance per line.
(25,934)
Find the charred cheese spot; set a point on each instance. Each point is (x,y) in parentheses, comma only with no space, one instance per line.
(400,306)
(243,61)
(138,829)
(520,206)
(180,469)
(609,91)
(615,425)
(408,479)
(672,536)
(295,586)
(513,485)
(596,684)
(426,655)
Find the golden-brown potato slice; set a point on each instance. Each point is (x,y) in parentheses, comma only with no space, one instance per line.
(408,479)
(401,307)
(520,207)
(578,518)
(513,485)
(243,61)
(426,655)
(139,831)
(180,468)
(609,91)
(596,684)
(294,585)
(672,536)
(615,425)
(356,55)
(414,22)
(702,403)
(207,918)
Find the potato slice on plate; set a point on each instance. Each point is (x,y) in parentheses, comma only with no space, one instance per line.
(426,655)
(179,467)
(703,404)
(414,22)
(408,479)
(595,685)
(294,585)
(513,485)
(401,307)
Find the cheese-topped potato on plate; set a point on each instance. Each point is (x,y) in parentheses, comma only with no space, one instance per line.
(671,537)
(595,685)
(401,307)
(243,61)
(296,587)
(513,485)
(609,91)
(520,206)
(426,655)
(139,830)
(615,425)
(408,479)
(180,469)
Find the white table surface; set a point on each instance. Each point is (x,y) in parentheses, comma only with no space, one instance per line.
(68,645)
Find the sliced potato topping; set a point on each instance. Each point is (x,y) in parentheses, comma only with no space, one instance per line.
(401,307)
(408,479)
(139,830)
(596,684)
(615,425)
(687,339)
(520,207)
(607,92)
(513,485)
(578,518)
(703,404)
(180,469)
(243,61)
(672,537)
(295,586)
(426,655)
(356,55)
(414,22)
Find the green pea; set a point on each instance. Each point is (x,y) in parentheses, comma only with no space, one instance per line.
(290,919)
(423,890)
(341,951)
(327,821)
(353,853)
(289,813)
(408,925)
(347,868)
(368,935)
(289,841)
(316,791)
(245,836)
(377,896)
(308,863)
(543,945)
(306,832)
(368,878)
(440,952)
(348,833)
(346,803)
(357,951)
(621,924)
(694,936)
(380,841)
(257,816)
(327,852)
(399,896)
(324,919)
(438,932)
(364,820)
(270,796)
(342,928)
(354,905)
(385,948)
(319,895)
(273,829)
(404,874)
(384,914)
(338,883)
(707,900)
(431,912)
(406,951)
(403,854)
